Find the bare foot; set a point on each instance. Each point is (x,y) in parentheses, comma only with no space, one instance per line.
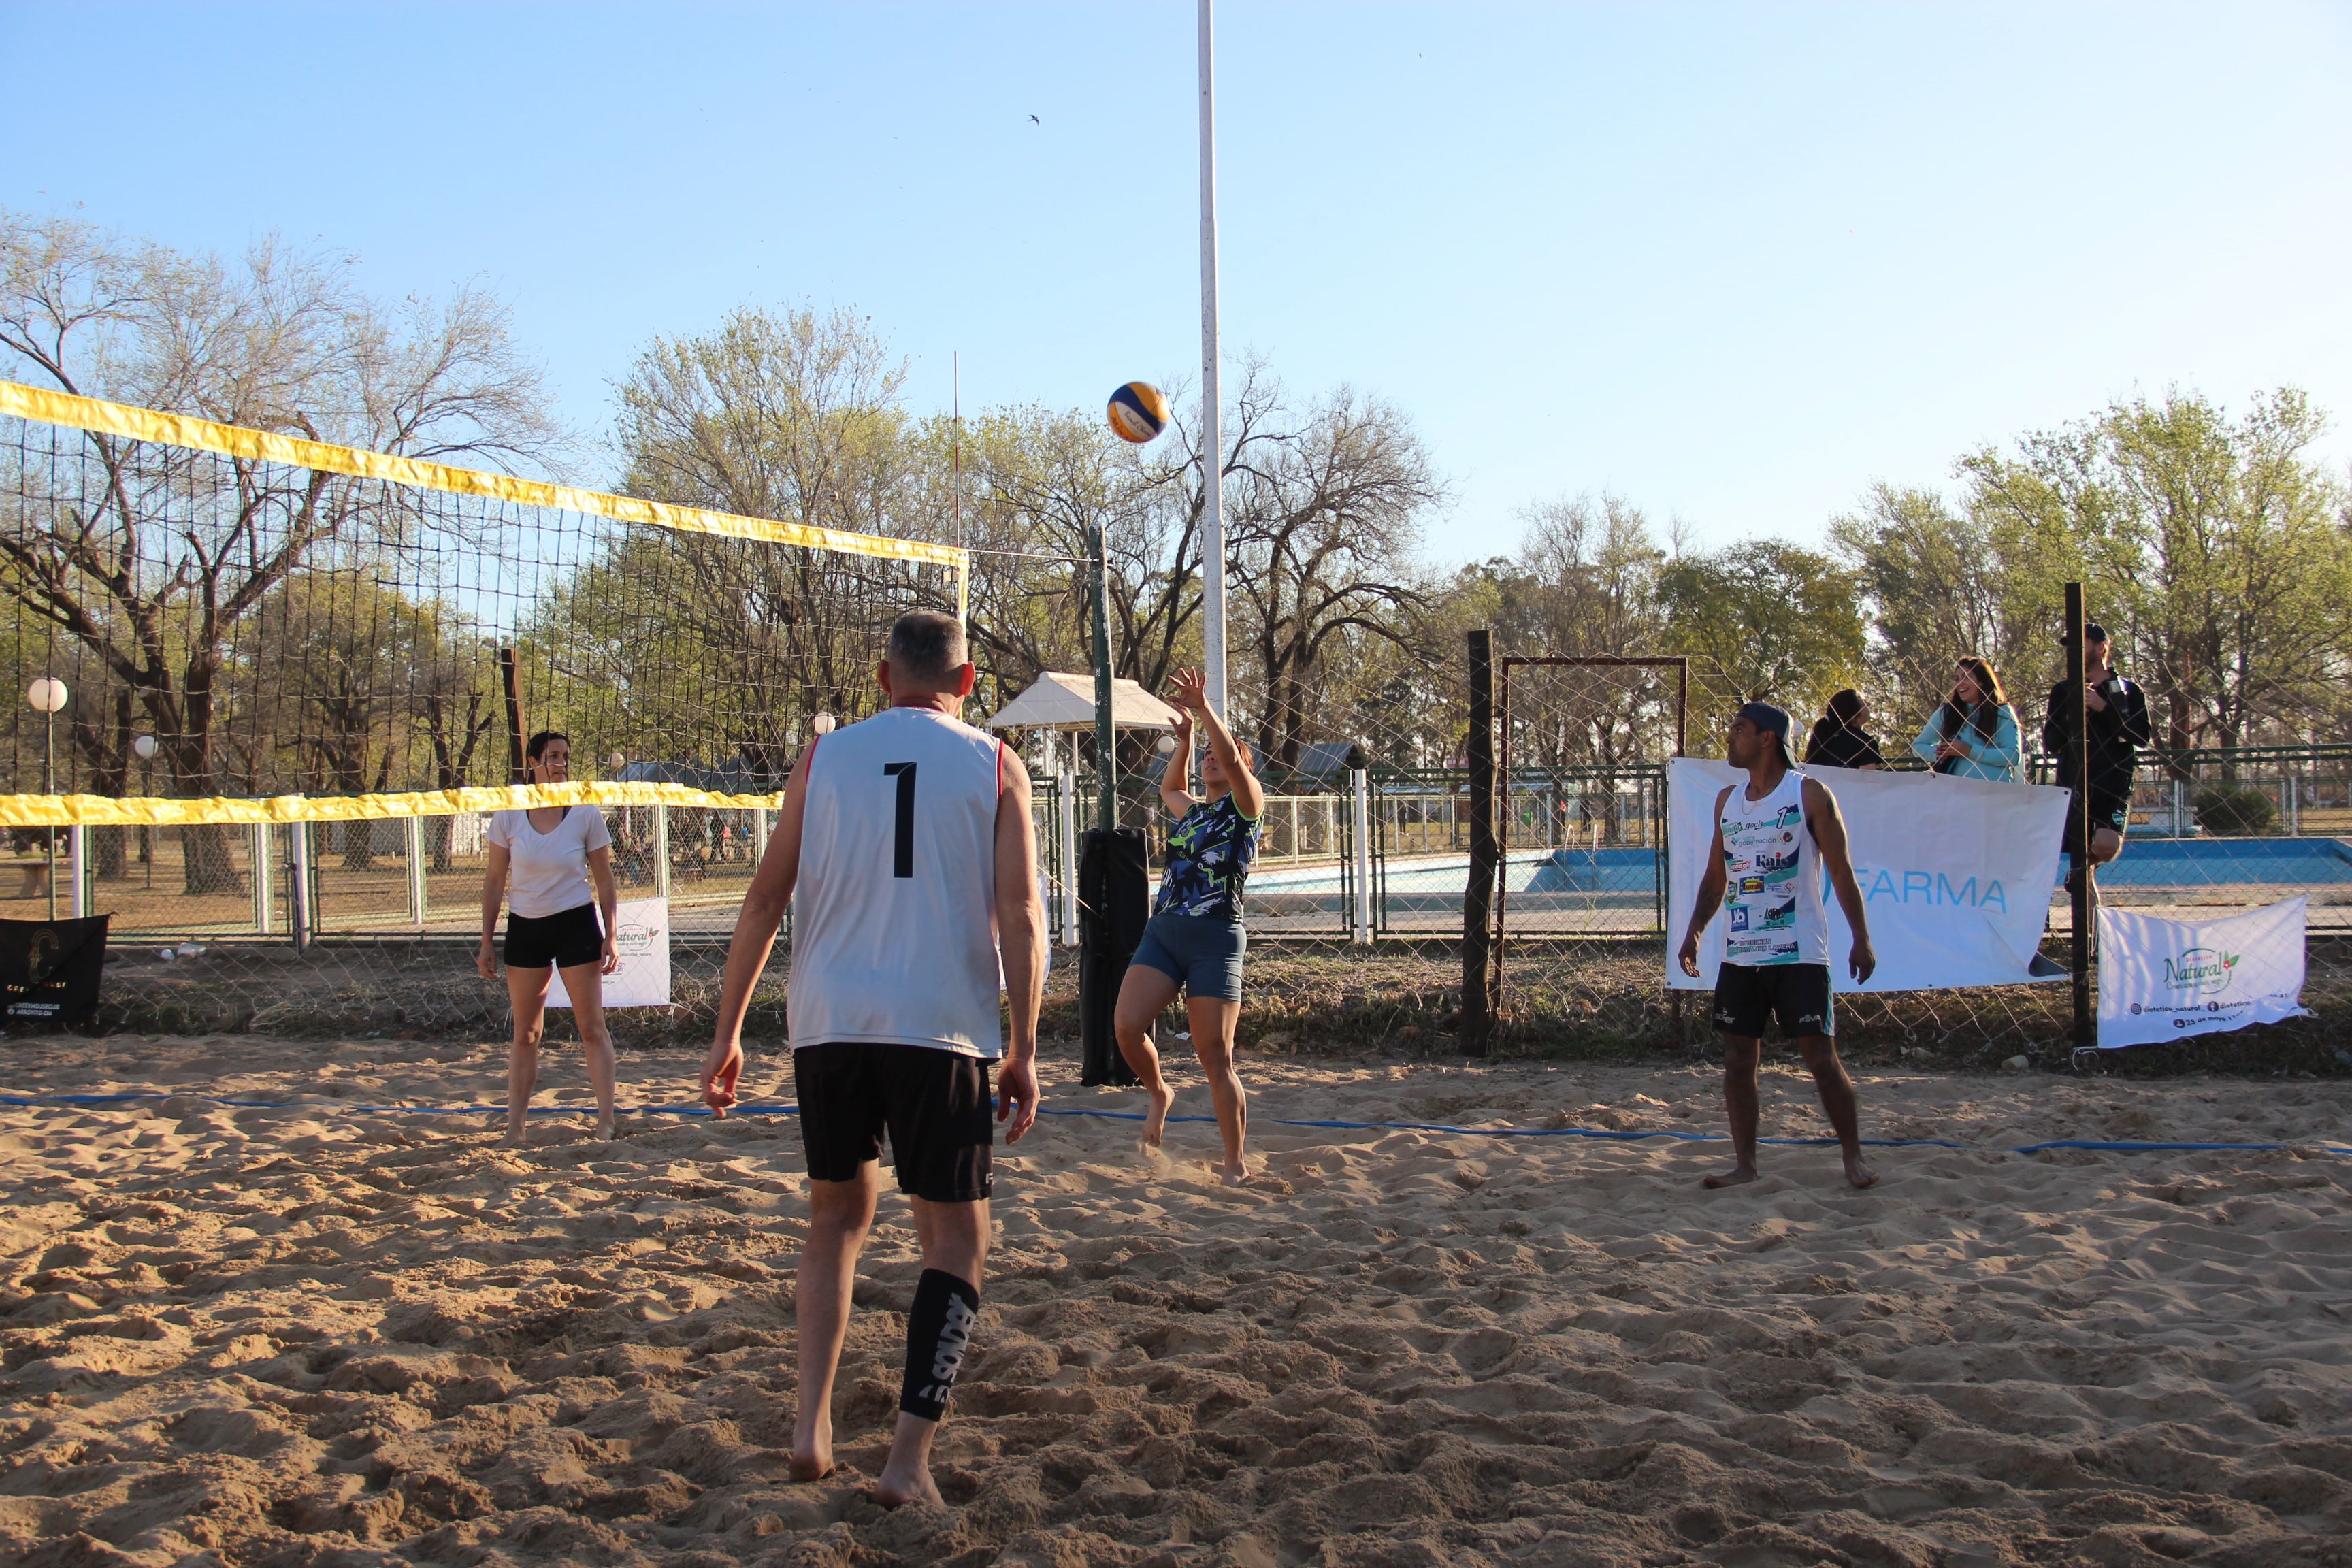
(1860,1174)
(894,1487)
(515,1138)
(1155,1122)
(812,1450)
(1738,1175)
(604,1129)
(1234,1175)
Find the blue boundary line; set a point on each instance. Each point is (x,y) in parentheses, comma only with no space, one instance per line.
(1605,1134)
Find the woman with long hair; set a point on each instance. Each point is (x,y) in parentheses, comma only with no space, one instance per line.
(1195,939)
(1839,741)
(1974,735)
(552,868)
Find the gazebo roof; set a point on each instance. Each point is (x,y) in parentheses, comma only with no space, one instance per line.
(1062,702)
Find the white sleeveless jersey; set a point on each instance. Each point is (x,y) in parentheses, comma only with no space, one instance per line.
(894,916)
(1772,879)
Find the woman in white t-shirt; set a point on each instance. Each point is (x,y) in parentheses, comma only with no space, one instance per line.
(553,867)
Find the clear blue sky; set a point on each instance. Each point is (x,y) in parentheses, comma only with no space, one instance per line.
(1733,261)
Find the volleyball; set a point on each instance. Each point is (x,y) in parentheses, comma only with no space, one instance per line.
(1138,411)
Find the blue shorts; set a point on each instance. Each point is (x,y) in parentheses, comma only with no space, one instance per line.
(1202,954)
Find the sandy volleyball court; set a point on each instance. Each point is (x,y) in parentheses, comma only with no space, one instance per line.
(297,1337)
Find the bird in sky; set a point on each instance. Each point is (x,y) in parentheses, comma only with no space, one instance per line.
(1034,120)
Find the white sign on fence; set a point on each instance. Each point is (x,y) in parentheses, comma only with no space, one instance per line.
(641,934)
(2162,979)
(1954,874)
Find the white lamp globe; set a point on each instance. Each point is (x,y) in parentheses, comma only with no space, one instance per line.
(47,695)
(144,748)
(1165,744)
(619,760)
(823,723)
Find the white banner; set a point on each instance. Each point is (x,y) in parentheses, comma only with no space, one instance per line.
(2162,979)
(642,938)
(1955,874)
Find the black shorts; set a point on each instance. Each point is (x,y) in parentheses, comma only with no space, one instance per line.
(566,939)
(934,1104)
(1798,995)
(2109,808)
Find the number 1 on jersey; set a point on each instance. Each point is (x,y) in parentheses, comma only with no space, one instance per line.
(902,844)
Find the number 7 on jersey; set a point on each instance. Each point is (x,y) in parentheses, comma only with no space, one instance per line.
(902,843)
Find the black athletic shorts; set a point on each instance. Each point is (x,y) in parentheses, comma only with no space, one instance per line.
(566,939)
(934,1104)
(1798,995)
(2109,808)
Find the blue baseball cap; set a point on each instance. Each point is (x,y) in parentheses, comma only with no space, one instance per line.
(1772,720)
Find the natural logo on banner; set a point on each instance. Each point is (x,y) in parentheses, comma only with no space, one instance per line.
(2200,971)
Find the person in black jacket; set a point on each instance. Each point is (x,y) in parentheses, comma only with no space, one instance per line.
(2116,710)
(1839,741)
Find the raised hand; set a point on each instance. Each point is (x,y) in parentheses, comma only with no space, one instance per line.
(1191,691)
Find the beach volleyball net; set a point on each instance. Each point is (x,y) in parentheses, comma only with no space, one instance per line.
(298,676)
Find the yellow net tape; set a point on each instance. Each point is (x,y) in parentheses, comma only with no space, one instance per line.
(158,811)
(260,446)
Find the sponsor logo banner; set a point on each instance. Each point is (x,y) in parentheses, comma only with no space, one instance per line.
(640,936)
(2162,979)
(1954,874)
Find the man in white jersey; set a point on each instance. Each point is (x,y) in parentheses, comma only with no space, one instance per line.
(906,852)
(1774,838)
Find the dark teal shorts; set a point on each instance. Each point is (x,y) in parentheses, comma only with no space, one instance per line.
(1199,952)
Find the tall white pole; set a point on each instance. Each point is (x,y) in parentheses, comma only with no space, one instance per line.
(1212,442)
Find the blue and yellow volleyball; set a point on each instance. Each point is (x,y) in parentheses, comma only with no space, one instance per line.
(1138,411)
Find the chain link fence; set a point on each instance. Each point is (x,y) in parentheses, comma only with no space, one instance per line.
(1356,907)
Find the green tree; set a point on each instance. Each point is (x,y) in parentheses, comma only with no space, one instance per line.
(1937,584)
(1763,620)
(2215,551)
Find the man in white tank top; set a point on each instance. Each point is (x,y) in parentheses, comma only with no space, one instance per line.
(1774,838)
(906,853)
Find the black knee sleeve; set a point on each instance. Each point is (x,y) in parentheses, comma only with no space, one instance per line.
(938,1330)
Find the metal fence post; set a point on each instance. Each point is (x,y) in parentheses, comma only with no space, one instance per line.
(1065,803)
(77,840)
(297,868)
(416,827)
(1360,824)
(264,874)
(1478,894)
(661,851)
(2078,811)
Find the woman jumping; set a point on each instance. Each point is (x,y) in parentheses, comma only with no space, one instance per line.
(560,862)
(1196,938)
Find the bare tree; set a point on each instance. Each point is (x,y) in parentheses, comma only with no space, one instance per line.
(152,558)
(1325,519)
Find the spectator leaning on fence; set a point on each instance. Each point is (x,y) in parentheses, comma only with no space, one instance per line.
(2117,713)
(1839,741)
(1974,735)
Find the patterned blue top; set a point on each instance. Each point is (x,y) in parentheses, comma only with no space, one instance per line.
(1209,856)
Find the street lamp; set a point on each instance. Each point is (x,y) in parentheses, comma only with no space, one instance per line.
(144,748)
(49,696)
(823,723)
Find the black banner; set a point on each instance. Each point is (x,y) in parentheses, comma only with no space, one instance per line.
(50,970)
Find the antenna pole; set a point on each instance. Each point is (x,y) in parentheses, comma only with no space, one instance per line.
(1213,443)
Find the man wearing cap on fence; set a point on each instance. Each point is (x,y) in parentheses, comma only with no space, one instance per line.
(1774,839)
(2117,714)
